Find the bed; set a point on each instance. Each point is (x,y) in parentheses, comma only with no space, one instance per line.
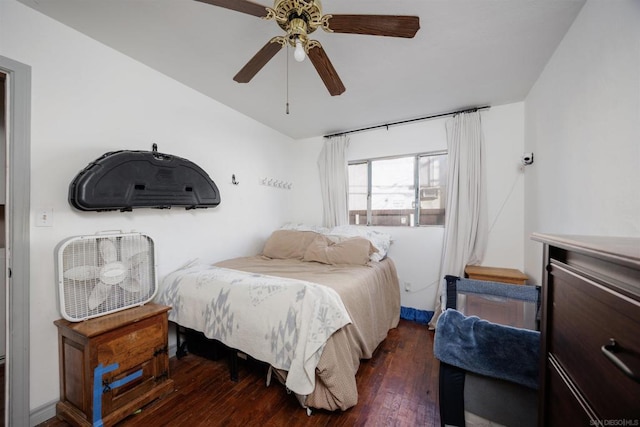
(312,305)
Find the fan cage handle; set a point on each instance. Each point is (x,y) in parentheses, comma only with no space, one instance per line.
(109,232)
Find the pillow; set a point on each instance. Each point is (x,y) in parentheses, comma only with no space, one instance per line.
(288,244)
(353,251)
(304,227)
(381,241)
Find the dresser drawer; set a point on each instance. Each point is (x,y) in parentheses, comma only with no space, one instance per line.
(569,406)
(585,316)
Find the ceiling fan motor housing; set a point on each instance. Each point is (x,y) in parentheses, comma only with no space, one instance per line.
(286,10)
(297,18)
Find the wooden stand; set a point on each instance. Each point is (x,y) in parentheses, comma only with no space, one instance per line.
(495,274)
(111,366)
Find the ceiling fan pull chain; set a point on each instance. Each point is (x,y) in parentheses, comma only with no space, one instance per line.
(287,76)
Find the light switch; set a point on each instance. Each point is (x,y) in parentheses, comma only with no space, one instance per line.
(44,217)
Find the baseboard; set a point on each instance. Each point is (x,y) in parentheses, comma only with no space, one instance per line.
(43,413)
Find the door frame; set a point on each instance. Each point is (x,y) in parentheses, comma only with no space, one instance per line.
(17,211)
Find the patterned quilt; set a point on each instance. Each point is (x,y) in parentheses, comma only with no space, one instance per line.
(281,321)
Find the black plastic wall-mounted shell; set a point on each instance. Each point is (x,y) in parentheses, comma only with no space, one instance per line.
(125,180)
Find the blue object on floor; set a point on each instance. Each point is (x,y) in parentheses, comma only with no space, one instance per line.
(420,316)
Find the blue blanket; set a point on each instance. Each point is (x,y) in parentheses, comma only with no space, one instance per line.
(487,348)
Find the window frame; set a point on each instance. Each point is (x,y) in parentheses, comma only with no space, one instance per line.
(416,181)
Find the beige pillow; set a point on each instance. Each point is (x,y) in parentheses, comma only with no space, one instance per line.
(354,251)
(288,244)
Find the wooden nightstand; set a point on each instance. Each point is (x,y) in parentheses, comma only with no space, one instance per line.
(495,274)
(111,366)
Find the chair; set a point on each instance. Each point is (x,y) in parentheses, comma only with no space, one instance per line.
(488,345)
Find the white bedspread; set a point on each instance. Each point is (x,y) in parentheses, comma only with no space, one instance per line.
(280,321)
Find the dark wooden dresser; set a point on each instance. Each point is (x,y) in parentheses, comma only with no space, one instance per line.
(110,366)
(590,369)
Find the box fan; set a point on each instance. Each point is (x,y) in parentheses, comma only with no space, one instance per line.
(104,273)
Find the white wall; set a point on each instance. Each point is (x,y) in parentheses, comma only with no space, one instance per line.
(417,251)
(88,99)
(583,124)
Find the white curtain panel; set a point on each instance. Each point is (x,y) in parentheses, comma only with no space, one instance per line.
(334,181)
(466,224)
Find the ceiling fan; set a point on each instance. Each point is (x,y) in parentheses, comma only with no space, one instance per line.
(299,18)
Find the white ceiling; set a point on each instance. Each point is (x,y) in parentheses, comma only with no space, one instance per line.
(467,53)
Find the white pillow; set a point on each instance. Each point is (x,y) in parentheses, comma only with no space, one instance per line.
(381,241)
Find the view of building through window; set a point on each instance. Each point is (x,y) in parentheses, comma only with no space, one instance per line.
(390,192)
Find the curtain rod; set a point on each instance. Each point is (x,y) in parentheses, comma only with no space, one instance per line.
(435,116)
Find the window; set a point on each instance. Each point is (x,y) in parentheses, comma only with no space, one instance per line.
(399,191)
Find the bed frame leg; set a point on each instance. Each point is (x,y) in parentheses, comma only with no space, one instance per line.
(180,351)
(180,346)
(233,364)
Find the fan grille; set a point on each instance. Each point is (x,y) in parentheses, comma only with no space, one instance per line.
(102,274)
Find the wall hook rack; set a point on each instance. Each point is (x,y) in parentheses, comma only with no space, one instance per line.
(275,183)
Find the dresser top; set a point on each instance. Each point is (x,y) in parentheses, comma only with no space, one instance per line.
(625,250)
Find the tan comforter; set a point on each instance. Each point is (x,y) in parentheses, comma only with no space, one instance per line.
(371,295)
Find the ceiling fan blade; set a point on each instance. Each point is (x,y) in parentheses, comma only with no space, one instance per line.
(243,6)
(325,69)
(375,25)
(258,61)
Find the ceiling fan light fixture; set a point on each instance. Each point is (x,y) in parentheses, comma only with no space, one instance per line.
(298,53)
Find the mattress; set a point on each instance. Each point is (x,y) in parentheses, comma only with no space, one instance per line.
(370,296)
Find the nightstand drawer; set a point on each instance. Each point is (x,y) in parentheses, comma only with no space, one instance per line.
(586,315)
(131,384)
(132,345)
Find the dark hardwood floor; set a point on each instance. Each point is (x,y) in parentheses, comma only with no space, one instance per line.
(397,387)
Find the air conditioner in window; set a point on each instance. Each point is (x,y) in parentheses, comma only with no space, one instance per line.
(429,193)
